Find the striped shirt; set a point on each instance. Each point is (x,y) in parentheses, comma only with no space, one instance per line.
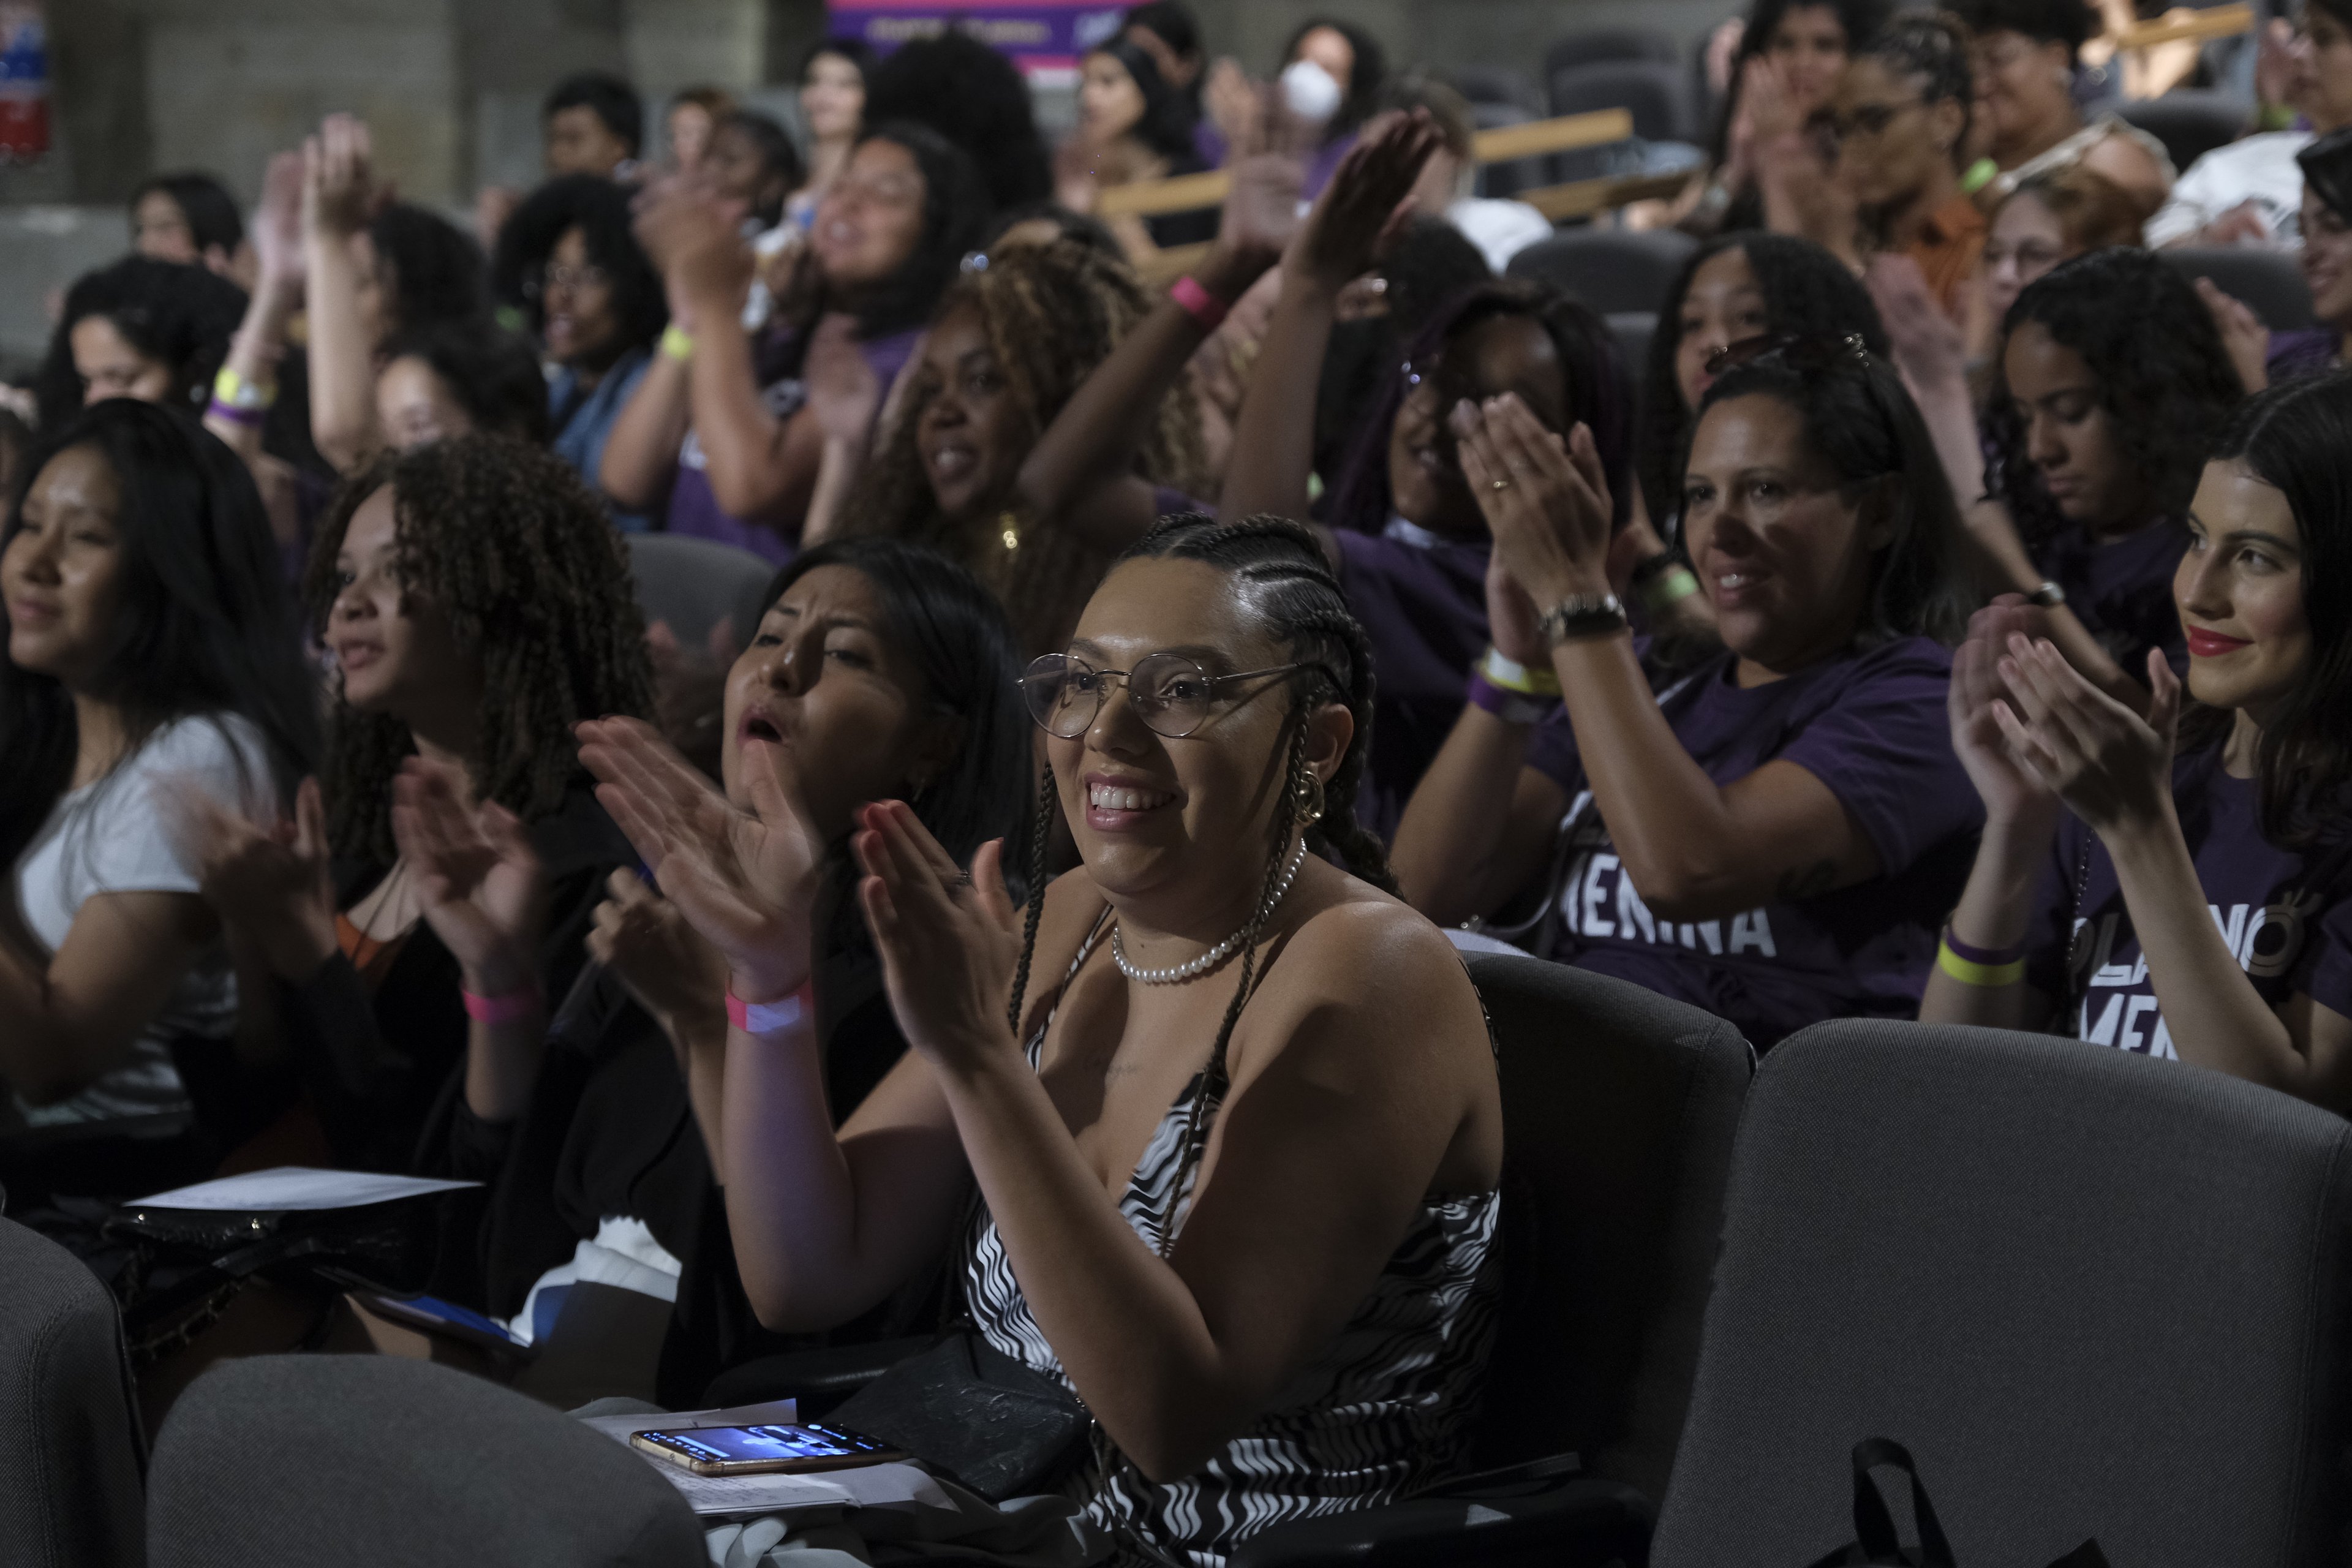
(1378,1415)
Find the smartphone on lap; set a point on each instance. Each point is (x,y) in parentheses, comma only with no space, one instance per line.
(764,1450)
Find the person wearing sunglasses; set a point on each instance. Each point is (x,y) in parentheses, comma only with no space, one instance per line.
(1899,121)
(1230,1109)
(1775,836)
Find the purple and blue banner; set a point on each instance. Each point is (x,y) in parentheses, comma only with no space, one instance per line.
(1040,37)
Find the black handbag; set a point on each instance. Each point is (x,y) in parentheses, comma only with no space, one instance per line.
(968,1409)
(1876,1545)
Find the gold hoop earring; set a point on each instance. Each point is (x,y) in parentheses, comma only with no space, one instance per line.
(1312,801)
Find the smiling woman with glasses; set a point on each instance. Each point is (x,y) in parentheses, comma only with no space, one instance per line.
(1776,836)
(1230,1110)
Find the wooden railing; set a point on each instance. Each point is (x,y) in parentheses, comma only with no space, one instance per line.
(2217,22)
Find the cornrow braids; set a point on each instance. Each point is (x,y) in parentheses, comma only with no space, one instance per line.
(1051,314)
(506,542)
(1933,49)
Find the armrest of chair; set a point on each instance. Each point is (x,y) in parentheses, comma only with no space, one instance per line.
(1584,1522)
(819,1379)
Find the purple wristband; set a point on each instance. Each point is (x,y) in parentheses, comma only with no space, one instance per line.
(1992,957)
(249,417)
(1510,707)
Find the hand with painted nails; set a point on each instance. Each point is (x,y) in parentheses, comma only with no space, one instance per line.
(2112,767)
(2013,794)
(1546,501)
(948,941)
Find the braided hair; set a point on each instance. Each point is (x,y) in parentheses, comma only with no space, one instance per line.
(1051,313)
(1931,48)
(1305,610)
(507,542)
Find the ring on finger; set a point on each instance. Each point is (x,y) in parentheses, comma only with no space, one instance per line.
(1499,484)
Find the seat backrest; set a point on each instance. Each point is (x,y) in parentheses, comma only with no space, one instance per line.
(694,584)
(1656,93)
(1600,44)
(2270,283)
(382,1462)
(1498,84)
(1618,1109)
(2190,121)
(2095,1294)
(1511,175)
(1634,330)
(70,1452)
(1609,269)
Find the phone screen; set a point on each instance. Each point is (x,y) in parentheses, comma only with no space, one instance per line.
(738,1445)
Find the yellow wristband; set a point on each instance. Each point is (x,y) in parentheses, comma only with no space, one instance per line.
(1512,676)
(234,391)
(1992,976)
(677,342)
(1670,588)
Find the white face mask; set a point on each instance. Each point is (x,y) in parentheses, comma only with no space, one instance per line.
(1309,92)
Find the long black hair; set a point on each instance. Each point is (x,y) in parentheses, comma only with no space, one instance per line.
(1861,20)
(1359,95)
(977,100)
(1166,126)
(1807,291)
(1592,369)
(2164,380)
(2295,437)
(204,626)
(599,209)
(955,215)
(205,206)
(955,635)
(1862,422)
(180,314)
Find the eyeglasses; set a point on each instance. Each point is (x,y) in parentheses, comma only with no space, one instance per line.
(1169,692)
(554,277)
(1806,353)
(1869,120)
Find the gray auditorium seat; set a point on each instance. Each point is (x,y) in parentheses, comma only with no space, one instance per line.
(1634,330)
(694,584)
(1608,269)
(2190,121)
(2095,1294)
(1497,84)
(1657,94)
(2268,282)
(381,1462)
(1599,44)
(1510,176)
(70,1451)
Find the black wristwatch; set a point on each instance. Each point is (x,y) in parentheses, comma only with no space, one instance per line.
(1583,615)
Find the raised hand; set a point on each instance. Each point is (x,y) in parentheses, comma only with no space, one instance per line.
(339,188)
(268,885)
(744,879)
(705,261)
(1364,208)
(2242,334)
(478,879)
(2111,766)
(2013,794)
(1261,212)
(1546,501)
(1929,347)
(948,943)
(641,936)
(278,226)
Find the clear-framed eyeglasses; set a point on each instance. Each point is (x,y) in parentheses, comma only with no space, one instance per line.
(1171,693)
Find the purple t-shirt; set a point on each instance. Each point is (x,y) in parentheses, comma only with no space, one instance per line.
(2122,592)
(2302,351)
(1870,725)
(2288,916)
(1422,598)
(694,507)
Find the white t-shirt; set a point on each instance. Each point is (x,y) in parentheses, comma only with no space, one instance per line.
(1499,228)
(109,838)
(2259,169)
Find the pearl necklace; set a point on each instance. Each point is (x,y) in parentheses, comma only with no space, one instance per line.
(1215,955)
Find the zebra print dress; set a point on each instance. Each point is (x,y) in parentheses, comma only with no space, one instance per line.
(1378,1413)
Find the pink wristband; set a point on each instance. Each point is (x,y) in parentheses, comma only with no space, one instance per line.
(511,1008)
(767,1017)
(1198,303)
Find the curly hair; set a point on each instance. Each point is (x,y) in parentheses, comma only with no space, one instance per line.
(180,314)
(1807,291)
(1304,609)
(492,374)
(2164,380)
(599,209)
(975,99)
(437,271)
(1051,313)
(506,541)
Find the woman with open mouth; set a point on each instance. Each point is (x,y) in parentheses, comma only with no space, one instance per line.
(1230,1110)
(1776,836)
(2193,899)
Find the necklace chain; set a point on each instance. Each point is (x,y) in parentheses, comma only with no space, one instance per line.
(1217,955)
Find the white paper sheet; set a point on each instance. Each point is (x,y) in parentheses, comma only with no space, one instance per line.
(296,1187)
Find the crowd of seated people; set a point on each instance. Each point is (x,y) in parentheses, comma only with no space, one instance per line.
(1054,889)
